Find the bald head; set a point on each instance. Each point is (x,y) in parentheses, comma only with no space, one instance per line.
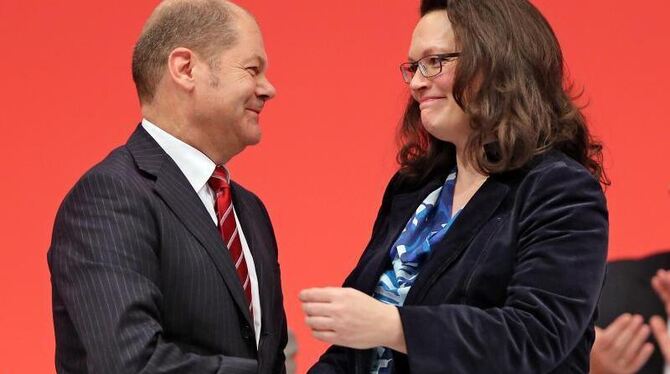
(207,27)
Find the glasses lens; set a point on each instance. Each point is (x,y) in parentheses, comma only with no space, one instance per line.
(432,65)
(407,71)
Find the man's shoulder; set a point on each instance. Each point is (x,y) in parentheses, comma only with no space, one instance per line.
(118,164)
(117,171)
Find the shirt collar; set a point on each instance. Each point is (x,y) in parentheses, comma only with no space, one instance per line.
(195,165)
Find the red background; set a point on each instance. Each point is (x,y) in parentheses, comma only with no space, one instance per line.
(67,99)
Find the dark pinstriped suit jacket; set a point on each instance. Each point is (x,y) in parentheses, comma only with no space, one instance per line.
(142,282)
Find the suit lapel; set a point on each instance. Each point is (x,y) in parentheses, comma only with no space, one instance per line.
(249,216)
(173,187)
(469,222)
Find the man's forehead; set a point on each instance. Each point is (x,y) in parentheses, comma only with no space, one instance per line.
(246,51)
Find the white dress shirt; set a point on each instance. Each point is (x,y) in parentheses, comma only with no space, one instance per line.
(198,168)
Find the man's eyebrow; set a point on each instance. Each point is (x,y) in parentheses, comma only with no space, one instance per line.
(258,59)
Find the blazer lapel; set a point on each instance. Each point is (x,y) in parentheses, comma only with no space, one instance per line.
(472,218)
(401,209)
(173,187)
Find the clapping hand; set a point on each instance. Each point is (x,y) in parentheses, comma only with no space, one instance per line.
(622,347)
(661,284)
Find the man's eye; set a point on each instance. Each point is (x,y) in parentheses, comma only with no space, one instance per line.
(254,70)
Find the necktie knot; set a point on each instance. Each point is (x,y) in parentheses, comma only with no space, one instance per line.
(219,179)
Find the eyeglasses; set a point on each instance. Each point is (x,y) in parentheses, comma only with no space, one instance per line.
(429,66)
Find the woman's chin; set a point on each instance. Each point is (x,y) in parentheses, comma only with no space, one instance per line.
(448,127)
(431,124)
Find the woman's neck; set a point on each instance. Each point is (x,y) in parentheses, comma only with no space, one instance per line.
(468,181)
(468,174)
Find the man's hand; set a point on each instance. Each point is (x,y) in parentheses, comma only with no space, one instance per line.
(622,347)
(350,318)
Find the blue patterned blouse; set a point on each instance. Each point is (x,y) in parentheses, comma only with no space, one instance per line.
(428,225)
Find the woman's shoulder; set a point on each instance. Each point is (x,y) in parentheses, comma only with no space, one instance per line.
(554,176)
(557,164)
(551,165)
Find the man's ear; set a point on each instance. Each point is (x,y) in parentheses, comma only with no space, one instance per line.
(181,63)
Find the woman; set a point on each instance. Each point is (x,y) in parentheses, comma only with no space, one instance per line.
(488,252)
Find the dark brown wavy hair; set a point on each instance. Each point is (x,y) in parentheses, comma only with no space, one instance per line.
(510,80)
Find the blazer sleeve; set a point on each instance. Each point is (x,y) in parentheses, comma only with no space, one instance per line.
(105,269)
(341,360)
(337,359)
(561,249)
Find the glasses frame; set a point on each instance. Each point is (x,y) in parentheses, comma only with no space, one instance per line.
(419,66)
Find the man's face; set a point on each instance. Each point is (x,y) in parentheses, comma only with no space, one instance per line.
(230,101)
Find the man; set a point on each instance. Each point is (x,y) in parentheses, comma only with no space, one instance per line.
(160,263)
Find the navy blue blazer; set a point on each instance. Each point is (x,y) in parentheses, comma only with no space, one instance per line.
(512,288)
(143,283)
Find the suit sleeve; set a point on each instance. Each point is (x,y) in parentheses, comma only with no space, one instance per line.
(560,263)
(105,269)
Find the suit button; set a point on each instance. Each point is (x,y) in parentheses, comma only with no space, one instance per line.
(246,332)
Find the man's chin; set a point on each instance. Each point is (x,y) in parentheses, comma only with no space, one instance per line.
(253,139)
(252,133)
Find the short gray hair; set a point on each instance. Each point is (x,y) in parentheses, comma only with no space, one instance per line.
(203,26)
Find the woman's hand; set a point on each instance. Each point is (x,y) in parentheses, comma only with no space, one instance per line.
(350,318)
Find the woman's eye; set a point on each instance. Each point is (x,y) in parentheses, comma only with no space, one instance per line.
(434,61)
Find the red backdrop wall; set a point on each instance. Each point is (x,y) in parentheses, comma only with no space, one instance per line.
(67,98)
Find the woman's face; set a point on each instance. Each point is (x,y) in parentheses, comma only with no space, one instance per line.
(440,114)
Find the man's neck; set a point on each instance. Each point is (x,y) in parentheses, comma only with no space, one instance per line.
(178,123)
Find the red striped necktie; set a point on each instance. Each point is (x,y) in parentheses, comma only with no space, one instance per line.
(223,204)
